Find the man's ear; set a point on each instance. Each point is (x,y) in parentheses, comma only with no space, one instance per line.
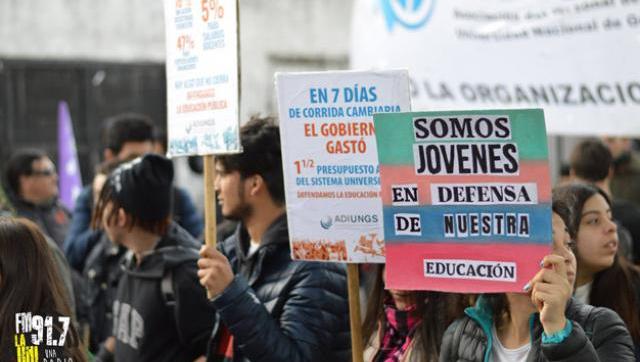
(23,180)
(122,218)
(108,155)
(256,185)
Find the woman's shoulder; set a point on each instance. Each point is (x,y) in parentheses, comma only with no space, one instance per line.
(603,328)
(462,329)
(464,340)
(594,319)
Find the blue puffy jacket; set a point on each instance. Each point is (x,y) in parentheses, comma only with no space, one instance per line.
(278,309)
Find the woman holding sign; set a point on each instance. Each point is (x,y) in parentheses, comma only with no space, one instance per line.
(545,324)
(406,325)
(604,278)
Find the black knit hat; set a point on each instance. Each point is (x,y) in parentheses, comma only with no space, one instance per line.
(144,186)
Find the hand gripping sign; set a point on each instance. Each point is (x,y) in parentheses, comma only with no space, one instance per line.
(467,199)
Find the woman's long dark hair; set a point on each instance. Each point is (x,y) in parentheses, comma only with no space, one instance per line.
(618,286)
(29,282)
(436,310)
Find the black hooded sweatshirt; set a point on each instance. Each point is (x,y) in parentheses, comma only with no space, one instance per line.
(150,325)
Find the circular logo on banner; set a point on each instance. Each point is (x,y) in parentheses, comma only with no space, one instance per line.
(326,222)
(412,14)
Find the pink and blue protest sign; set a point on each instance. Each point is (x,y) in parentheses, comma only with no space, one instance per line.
(466,198)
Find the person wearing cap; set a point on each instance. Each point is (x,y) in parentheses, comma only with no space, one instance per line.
(160,312)
(272,308)
(125,136)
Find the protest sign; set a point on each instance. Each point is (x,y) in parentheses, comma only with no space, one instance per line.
(203,91)
(330,160)
(467,198)
(575,58)
(202,77)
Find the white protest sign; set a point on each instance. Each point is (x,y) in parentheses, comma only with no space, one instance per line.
(577,59)
(331,171)
(202,77)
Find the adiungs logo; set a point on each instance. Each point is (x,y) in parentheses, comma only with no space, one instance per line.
(412,14)
(40,338)
(328,221)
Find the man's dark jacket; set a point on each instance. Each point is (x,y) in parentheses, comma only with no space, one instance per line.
(52,217)
(278,309)
(598,334)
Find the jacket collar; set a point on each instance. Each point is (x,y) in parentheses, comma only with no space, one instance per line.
(482,314)
(19,202)
(276,233)
(276,236)
(174,248)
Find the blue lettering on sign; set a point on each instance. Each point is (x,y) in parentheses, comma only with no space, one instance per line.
(230,137)
(183,146)
(412,14)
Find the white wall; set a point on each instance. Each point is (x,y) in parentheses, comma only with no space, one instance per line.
(292,35)
(274,35)
(113,30)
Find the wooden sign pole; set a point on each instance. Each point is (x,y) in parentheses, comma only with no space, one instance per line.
(209,202)
(353,283)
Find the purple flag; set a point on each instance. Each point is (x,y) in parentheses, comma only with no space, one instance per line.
(69,168)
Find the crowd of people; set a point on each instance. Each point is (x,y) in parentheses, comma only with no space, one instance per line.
(128,265)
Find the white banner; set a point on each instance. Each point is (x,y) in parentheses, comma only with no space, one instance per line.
(331,172)
(577,59)
(202,77)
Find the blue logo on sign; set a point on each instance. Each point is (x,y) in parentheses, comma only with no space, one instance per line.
(412,14)
(326,222)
